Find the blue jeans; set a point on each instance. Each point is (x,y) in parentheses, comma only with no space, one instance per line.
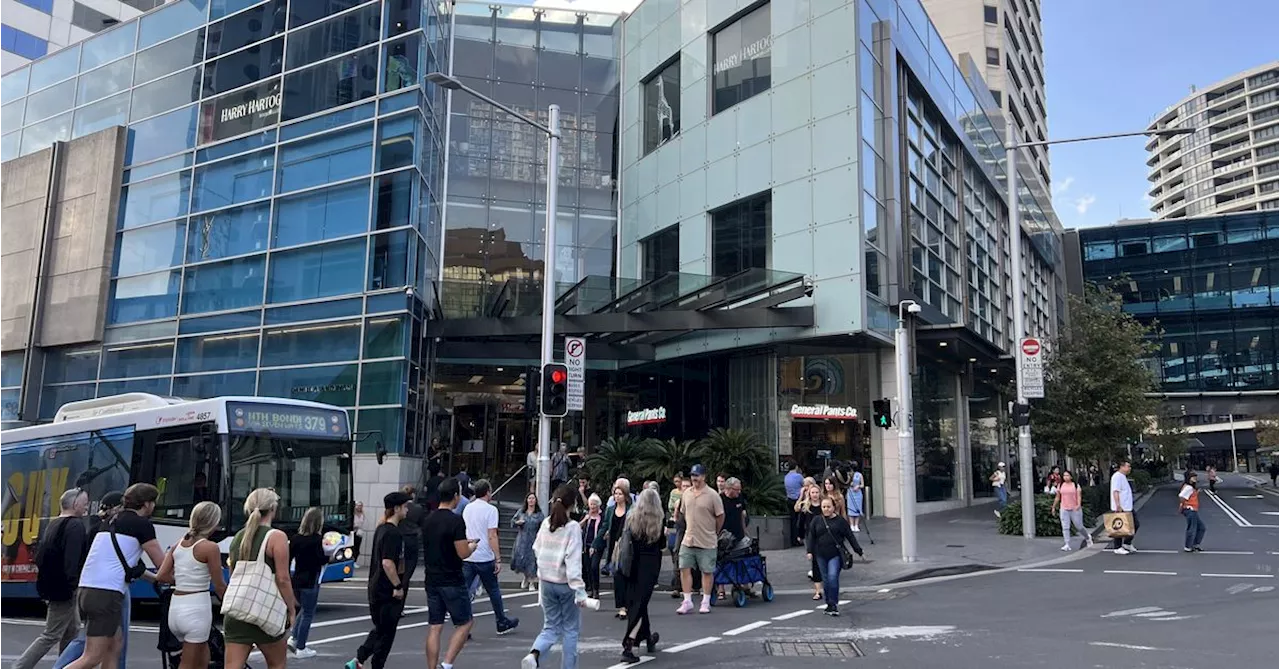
(830,571)
(75,649)
(484,572)
(561,622)
(308,598)
(1002,497)
(1195,528)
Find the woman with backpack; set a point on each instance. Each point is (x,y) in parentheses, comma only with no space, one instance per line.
(252,621)
(192,565)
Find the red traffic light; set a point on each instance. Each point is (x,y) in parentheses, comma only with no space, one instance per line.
(558,376)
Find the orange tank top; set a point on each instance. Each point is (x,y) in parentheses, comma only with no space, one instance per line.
(1192,502)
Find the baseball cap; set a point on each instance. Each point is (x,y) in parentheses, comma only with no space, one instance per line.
(112,499)
(999,464)
(394,499)
(698,470)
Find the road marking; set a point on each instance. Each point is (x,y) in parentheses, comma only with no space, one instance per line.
(1235,517)
(1174,618)
(1270,513)
(1137,572)
(1248,496)
(1227,552)
(624,665)
(793,614)
(1054,571)
(1126,646)
(695,643)
(1238,588)
(747,628)
(1158,550)
(1155,614)
(1238,575)
(529,606)
(1129,612)
(1265,588)
(821,607)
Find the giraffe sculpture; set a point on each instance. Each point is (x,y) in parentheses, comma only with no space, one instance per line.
(665,117)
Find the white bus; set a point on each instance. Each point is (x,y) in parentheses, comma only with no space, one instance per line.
(192,450)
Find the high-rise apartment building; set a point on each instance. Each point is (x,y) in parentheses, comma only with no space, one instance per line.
(1004,41)
(34,28)
(1232,160)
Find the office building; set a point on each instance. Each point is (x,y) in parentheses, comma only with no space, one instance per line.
(1232,160)
(1004,41)
(33,29)
(1210,286)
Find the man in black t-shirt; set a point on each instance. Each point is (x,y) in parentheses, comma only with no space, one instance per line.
(735,509)
(444,538)
(387,584)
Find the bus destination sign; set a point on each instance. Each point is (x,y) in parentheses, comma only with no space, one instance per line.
(283,420)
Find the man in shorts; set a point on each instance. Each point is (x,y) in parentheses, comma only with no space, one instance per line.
(445,543)
(703,515)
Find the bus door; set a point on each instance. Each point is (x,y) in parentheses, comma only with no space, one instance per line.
(185,463)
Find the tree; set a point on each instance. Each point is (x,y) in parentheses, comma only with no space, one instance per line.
(668,458)
(616,457)
(1267,432)
(1096,383)
(741,453)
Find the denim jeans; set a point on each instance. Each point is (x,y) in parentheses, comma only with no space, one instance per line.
(561,622)
(1195,528)
(484,572)
(75,649)
(830,570)
(308,598)
(1002,497)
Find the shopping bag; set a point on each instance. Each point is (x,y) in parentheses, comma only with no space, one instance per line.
(1118,524)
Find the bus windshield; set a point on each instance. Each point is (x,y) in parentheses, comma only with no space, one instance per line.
(304,472)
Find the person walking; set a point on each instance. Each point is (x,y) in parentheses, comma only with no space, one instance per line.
(1189,507)
(810,510)
(527,520)
(853,498)
(387,583)
(793,486)
(481,518)
(259,541)
(558,549)
(192,565)
(590,526)
(560,467)
(411,531)
(357,522)
(109,507)
(1211,473)
(1273,470)
(444,538)
(679,526)
(703,513)
(1053,480)
(642,567)
(606,545)
(1121,501)
(59,559)
(998,479)
(1067,504)
(307,550)
(104,579)
(831,489)
(827,535)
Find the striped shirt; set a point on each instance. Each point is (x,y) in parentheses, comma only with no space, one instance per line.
(559,554)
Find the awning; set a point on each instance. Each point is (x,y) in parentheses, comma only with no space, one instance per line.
(1246,440)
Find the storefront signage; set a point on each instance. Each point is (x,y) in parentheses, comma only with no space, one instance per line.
(283,420)
(240,112)
(823,412)
(647,416)
(757,49)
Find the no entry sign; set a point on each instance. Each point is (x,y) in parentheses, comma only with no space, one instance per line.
(1032,362)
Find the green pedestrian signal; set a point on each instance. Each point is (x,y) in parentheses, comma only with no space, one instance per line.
(882,413)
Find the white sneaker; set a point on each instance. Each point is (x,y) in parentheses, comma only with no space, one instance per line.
(855,529)
(1121,551)
(997,512)
(1130,548)
(293,645)
(529,662)
(1065,547)
(303,653)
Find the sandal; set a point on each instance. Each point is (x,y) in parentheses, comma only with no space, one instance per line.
(816,597)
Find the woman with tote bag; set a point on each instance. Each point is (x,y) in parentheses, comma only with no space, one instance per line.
(259,561)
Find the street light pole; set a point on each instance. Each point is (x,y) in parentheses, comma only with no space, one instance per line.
(552,131)
(1026,470)
(906,433)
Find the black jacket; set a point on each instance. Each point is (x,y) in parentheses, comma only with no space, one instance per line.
(60,557)
(825,536)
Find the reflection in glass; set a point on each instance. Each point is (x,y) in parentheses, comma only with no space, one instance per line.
(228,232)
(50,101)
(661,106)
(155,200)
(245,28)
(60,65)
(169,57)
(67,365)
(307,344)
(204,386)
(741,59)
(334,36)
(325,159)
(390,257)
(401,62)
(177,17)
(108,45)
(145,297)
(221,286)
(244,67)
(165,94)
(101,115)
(317,271)
(330,84)
(329,385)
(43,135)
(218,352)
(161,136)
(233,181)
(322,214)
(124,361)
(148,249)
(104,81)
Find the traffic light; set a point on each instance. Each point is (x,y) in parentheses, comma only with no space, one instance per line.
(883,414)
(555,390)
(1021,414)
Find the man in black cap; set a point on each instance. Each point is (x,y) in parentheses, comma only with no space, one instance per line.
(387,583)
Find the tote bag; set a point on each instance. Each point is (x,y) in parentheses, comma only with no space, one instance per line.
(253,597)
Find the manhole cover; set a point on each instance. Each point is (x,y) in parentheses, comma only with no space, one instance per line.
(814,649)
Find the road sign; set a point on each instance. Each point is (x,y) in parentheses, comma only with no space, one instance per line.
(575,358)
(1031,357)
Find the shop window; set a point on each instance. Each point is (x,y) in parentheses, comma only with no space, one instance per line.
(662,105)
(740,235)
(741,59)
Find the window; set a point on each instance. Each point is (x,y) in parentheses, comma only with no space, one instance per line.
(161,136)
(233,181)
(218,352)
(383,338)
(317,271)
(154,200)
(165,94)
(65,366)
(327,158)
(401,62)
(51,101)
(331,84)
(43,135)
(334,36)
(740,235)
(214,385)
(176,18)
(741,58)
(322,214)
(45,6)
(90,19)
(240,112)
(169,57)
(244,67)
(223,286)
(120,362)
(105,81)
(246,28)
(334,384)
(390,257)
(662,105)
(184,466)
(302,13)
(405,15)
(149,249)
(383,383)
(145,297)
(993,56)
(397,200)
(60,65)
(661,253)
(990,15)
(308,344)
(21,43)
(229,321)
(108,46)
(395,141)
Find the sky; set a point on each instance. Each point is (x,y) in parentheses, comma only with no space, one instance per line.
(1112,65)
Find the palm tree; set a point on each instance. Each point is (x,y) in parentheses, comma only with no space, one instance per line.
(668,458)
(741,453)
(614,457)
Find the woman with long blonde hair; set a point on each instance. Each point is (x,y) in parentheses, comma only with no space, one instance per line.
(307,550)
(260,509)
(191,565)
(641,567)
(810,507)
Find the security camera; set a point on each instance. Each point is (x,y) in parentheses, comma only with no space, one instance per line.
(913,308)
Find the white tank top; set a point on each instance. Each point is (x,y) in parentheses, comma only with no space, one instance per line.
(189,574)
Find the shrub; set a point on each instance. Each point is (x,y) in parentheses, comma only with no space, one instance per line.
(1094,499)
(1048,523)
(1141,481)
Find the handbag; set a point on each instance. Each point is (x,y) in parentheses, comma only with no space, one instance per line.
(1118,524)
(253,597)
(623,553)
(131,572)
(846,556)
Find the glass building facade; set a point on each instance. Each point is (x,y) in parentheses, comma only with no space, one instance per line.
(280,212)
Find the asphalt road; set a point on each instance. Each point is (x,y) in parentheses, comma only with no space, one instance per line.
(1157,608)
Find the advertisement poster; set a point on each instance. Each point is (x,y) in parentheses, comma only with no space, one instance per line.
(36,475)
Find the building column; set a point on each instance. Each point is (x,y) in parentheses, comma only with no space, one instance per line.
(964,454)
(884,443)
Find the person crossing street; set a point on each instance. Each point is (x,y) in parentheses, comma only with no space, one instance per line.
(703,513)
(1189,507)
(387,584)
(485,563)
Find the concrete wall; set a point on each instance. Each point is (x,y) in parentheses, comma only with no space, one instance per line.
(86,193)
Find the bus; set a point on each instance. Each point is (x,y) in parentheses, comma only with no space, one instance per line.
(192,450)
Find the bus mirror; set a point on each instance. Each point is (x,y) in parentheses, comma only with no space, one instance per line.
(380,451)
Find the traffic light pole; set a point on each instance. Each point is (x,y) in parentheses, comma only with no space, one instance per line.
(1026,469)
(906,436)
(548,299)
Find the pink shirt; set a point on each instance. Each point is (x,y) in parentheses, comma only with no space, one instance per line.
(1070,493)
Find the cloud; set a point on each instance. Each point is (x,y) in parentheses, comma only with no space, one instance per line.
(1083,203)
(1062,185)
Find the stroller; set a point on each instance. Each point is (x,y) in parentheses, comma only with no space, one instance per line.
(170,646)
(739,564)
